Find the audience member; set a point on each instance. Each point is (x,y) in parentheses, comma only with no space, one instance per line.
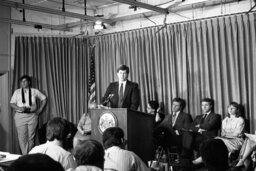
(169,132)
(35,162)
(155,109)
(248,147)
(204,127)
(89,155)
(232,130)
(84,125)
(116,158)
(57,131)
(123,93)
(23,101)
(215,155)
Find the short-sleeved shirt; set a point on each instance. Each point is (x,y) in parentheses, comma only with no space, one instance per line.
(17,97)
(57,153)
(123,160)
(85,168)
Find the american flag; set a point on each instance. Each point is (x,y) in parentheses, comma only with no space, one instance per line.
(92,88)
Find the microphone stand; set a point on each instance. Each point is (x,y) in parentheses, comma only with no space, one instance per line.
(107,101)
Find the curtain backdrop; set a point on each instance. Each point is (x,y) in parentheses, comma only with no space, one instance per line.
(205,58)
(213,58)
(58,67)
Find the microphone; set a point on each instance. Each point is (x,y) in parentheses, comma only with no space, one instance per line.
(107,100)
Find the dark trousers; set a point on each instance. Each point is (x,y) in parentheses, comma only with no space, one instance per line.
(167,138)
(192,141)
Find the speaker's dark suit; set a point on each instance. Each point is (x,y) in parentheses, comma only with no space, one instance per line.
(211,124)
(131,97)
(165,133)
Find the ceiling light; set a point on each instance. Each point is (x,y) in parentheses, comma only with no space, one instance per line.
(99,25)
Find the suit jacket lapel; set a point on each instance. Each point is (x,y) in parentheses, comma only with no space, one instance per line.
(177,118)
(127,88)
(116,88)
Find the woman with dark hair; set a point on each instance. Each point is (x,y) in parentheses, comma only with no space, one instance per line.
(232,130)
(154,108)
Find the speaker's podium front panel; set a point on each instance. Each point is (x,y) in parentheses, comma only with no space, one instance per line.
(137,127)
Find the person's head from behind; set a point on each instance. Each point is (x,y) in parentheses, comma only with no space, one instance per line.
(25,81)
(152,106)
(89,152)
(113,136)
(214,154)
(57,128)
(234,109)
(122,73)
(178,104)
(207,105)
(35,162)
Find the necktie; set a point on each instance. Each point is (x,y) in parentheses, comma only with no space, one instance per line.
(121,96)
(203,118)
(173,118)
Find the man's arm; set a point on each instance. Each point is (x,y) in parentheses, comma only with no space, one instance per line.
(106,95)
(135,98)
(15,107)
(193,126)
(213,123)
(43,103)
(188,121)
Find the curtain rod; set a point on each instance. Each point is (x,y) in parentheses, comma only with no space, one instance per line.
(93,36)
(181,22)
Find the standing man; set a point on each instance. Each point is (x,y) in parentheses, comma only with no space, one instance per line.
(23,102)
(124,93)
(204,127)
(170,130)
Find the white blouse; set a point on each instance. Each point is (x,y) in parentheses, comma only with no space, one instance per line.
(232,126)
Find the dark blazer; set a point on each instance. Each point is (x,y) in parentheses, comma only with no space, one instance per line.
(131,95)
(211,124)
(183,121)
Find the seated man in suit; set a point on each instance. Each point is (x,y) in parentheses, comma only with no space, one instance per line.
(170,130)
(123,93)
(204,127)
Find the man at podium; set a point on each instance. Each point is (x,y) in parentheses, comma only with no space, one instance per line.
(123,93)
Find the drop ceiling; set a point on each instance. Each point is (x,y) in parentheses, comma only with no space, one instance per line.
(91,4)
(75,9)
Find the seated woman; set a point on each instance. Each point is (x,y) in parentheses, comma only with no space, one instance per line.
(84,126)
(154,108)
(232,130)
(249,146)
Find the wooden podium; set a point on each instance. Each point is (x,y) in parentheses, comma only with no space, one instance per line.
(137,127)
